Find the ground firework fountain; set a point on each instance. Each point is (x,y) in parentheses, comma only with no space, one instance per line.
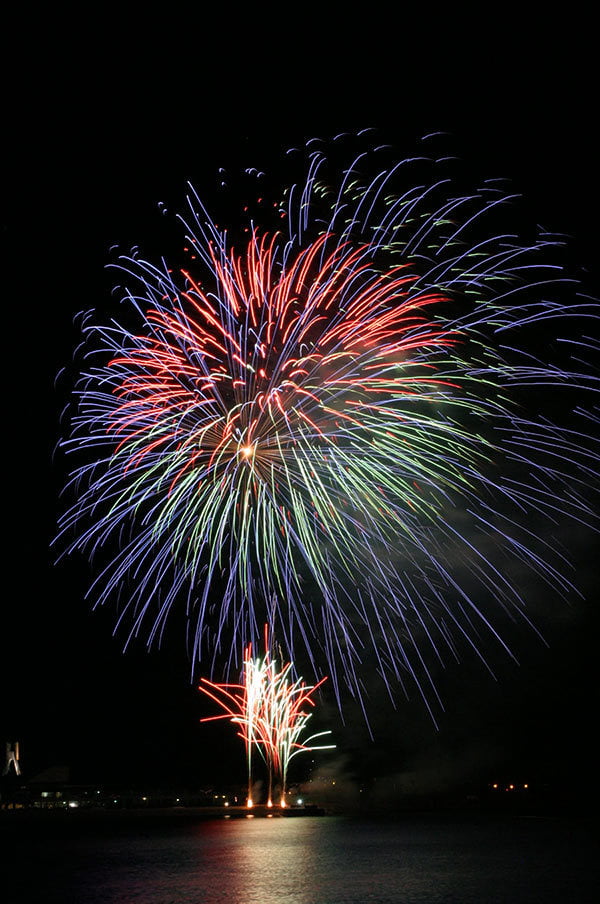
(271,711)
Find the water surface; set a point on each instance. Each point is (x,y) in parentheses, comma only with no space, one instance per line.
(412,859)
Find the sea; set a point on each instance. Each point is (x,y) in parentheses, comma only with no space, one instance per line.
(406,858)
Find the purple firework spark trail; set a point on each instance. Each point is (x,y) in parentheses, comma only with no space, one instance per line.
(360,418)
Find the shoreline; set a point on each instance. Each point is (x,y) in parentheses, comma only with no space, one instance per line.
(75,815)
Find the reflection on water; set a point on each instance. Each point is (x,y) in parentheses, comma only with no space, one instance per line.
(312,860)
(277,861)
(255,860)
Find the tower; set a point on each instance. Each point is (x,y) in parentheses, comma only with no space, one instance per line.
(12,758)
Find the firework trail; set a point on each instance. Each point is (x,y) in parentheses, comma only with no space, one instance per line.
(286,721)
(241,705)
(359,417)
(270,709)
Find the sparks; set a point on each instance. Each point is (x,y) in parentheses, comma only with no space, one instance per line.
(356,428)
(271,712)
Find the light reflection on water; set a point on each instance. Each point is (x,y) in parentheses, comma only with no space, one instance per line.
(312,860)
(278,861)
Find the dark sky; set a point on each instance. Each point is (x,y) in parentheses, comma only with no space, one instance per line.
(103,126)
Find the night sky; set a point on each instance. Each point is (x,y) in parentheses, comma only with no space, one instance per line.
(100,131)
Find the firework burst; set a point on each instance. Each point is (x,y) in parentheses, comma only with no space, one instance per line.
(350,420)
